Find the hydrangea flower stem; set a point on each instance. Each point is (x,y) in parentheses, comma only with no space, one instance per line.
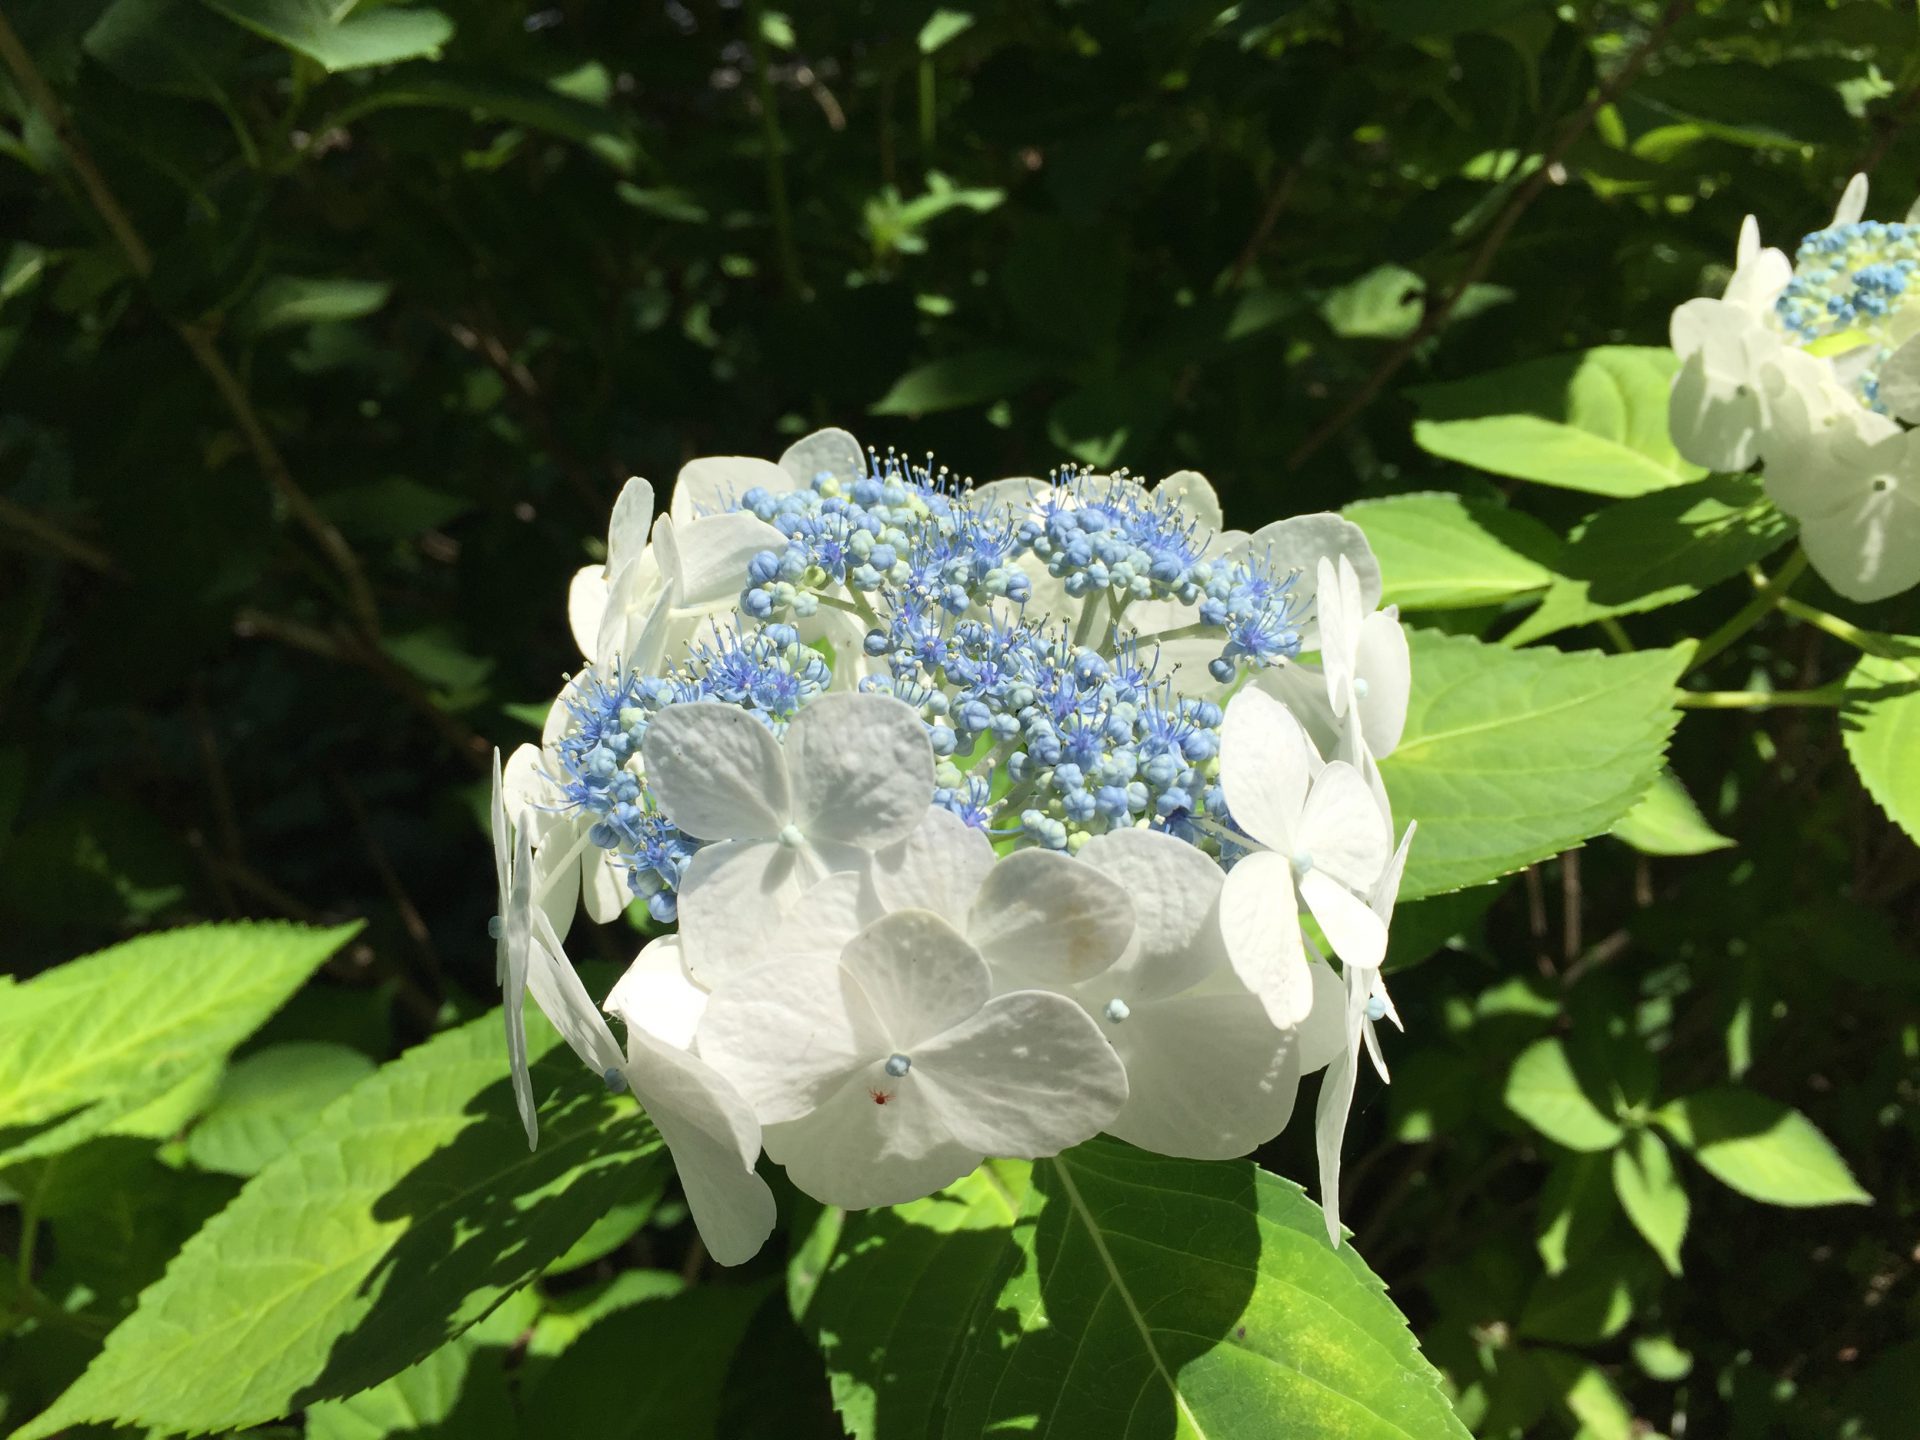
(1771,594)
(1827,696)
(1833,625)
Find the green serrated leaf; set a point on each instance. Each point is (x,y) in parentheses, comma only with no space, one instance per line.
(1440,552)
(1149,1297)
(356,40)
(91,1040)
(1593,421)
(1763,1149)
(459,1392)
(1881,727)
(268,1100)
(1510,756)
(885,1293)
(687,1342)
(1658,550)
(1667,822)
(402,1217)
(610,1231)
(1543,1090)
(1652,1195)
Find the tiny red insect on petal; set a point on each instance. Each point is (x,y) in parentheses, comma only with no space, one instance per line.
(881,1097)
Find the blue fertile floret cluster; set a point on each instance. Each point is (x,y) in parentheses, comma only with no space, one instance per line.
(1851,278)
(765,670)
(1048,729)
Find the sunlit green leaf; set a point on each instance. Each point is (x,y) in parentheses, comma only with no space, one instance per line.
(1440,552)
(400,1218)
(1658,550)
(1593,421)
(1667,822)
(268,1100)
(89,1041)
(1510,756)
(1881,725)
(1543,1090)
(1652,1195)
(1765,1150)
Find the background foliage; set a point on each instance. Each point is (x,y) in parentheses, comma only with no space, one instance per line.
(327,333)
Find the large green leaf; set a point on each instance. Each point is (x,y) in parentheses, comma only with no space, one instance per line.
(91,1040)
(1543,1090)
(339,38)
(1658,550)
(269,1100)
(400,1219)
(1440,552)
(1667,822)
(1765,1150)
(1152,1297)
(1135,1297)
(684,1345)
(1510,756)
(1652,1195)
(459,1392)
(885,1295)
(173,47)
(1881,725)
(1593,421)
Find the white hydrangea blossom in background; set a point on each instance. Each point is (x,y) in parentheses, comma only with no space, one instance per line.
(985,815)
(1809,367)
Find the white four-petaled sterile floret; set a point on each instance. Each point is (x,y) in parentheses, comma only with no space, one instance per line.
(1808,367)
(987,816)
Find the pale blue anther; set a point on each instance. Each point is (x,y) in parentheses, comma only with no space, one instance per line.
(1117,1010)
(496,927)
(1302,862)
(615,1080)
(791,837)
(898,1065)
(1376,1007)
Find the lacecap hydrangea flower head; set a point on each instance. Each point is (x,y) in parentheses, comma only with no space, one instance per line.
(1811,367)
(988,818)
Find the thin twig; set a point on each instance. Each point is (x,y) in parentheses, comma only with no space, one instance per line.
(36,526)
(226,817)
(1570,906)
(1523,197)
(358,960)
(1269,217)
(140,260)
(350,649)
(410,917)
(1767,595)
(1833,625)
(778,208)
